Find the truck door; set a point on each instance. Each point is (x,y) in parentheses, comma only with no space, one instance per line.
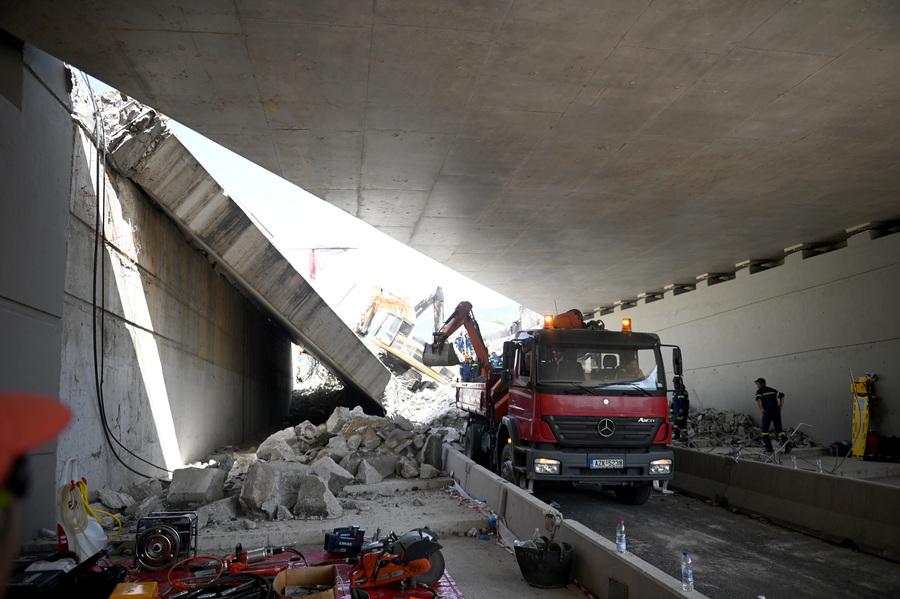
(521,396)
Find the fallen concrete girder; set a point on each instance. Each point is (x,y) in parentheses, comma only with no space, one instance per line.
(147,152)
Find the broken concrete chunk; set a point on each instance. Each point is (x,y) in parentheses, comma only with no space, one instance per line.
(407,467)
(114,500)
(433,451)
(314,500)
(258,488)
(366,474)
(334,477)
(145,507)
(149,488)
(219,512)
(264,451)
(428,471)
(192,487)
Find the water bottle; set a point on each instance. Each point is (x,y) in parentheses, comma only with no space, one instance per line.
(819,464)
(620,537)
(687,572)
(794,461)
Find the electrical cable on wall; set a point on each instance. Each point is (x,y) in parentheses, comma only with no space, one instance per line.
(99,240)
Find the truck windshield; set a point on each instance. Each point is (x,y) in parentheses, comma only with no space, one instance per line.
(614,367)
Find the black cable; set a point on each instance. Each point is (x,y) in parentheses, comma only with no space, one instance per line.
(100,229)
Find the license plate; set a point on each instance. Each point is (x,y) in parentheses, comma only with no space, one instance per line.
(608,463)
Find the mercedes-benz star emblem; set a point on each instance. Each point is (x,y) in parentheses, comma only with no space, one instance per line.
(606,427)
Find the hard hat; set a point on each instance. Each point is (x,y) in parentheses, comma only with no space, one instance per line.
(468,357)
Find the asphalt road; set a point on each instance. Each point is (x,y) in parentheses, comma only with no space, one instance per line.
(736,555)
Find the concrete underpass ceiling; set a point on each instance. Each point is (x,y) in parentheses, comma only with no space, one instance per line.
(579,152)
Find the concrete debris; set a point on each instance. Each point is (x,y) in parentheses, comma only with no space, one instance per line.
(302,470)
(709,427)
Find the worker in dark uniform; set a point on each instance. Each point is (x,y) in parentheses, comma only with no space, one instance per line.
(494,360)
(681,406)
(770,403)
(467,370)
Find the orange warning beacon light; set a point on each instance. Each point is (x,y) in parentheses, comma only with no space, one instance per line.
(548,320)
(626,325)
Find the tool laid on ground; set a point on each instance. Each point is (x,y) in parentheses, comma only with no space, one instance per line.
(411,559)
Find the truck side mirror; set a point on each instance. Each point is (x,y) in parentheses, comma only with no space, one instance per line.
(676,361)
(508,359)
(506,377)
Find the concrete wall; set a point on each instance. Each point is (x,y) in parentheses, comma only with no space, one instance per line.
(35,159)
(187,362)
(805,326)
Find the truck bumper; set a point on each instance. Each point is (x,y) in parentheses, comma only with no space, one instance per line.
(576,466)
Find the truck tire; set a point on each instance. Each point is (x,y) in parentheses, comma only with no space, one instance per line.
(507,467)
(472,443)
(634,495)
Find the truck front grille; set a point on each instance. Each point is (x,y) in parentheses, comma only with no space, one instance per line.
(585,431)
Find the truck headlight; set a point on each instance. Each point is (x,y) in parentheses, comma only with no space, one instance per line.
(545,466)
(661,467)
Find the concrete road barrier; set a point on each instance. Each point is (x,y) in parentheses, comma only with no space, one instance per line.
(596,564)
(835,508)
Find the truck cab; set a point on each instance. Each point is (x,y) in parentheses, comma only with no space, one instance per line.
(576,405)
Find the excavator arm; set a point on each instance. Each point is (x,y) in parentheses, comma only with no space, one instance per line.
(440,353)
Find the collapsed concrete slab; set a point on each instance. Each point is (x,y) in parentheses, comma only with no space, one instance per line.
(147,152)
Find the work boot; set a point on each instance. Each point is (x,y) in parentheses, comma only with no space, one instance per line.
(787,447)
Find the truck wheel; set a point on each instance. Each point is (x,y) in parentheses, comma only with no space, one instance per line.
(472,443)
(634,495)
(507,465)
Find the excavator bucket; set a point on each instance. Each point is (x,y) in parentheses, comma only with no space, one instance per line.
(439,355)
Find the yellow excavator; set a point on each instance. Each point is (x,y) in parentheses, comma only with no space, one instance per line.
(394,333)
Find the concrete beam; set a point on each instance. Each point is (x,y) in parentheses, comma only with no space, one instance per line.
(158,162)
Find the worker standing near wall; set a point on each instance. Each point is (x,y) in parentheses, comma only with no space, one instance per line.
(27,421)
(770,403)
(681,405)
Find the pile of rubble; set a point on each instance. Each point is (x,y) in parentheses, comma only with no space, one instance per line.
(301,471)
(709,427)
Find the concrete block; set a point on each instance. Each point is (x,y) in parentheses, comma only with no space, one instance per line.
(145,507)
(264,451)
(367,474)
(192,487)
(431,451)
(259,486)
(149,488)
(339,417)
(305,430)
(114,500)
(334,477)
(407,467)
(428,471)
(287,480)
(314,500)
(219,512)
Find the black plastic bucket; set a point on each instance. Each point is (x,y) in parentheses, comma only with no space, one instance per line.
(547,567)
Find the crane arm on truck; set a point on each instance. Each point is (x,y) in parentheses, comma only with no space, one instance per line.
(440,353)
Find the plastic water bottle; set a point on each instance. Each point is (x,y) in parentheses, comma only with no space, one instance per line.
(819,464)
(687,572)
(794,461)
(620,537)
